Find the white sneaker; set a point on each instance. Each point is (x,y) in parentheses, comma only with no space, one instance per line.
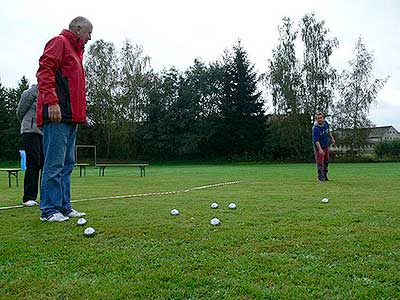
(57,217)
(29,203)
(75,214)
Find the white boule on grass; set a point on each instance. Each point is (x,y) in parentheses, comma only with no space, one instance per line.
(81,221)
(89,231)
(214,205)
(232,205)
(215,222)
(325,200)
(174,212)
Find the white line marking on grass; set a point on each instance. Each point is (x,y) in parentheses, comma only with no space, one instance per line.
(143,195)
(11,207)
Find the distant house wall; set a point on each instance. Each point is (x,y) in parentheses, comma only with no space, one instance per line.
(376,135)
(391,134)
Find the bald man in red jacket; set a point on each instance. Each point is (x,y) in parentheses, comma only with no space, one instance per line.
(61,107)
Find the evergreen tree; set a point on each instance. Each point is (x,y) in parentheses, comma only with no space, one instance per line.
(243,128)
(10,134)
(4,121)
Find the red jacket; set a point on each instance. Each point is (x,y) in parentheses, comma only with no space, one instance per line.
(61,79)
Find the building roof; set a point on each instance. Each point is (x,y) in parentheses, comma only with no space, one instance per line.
(378,132)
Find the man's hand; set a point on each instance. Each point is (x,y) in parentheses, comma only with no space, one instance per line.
(54,113)
(318,145)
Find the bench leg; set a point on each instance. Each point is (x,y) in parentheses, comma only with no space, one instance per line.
(15,174)
(142,171)
(82,168)
(101,171)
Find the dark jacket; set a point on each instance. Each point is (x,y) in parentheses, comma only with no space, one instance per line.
(61,79)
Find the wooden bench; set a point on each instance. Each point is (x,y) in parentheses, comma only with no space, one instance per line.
(82,167)
(11,172)
(142,167)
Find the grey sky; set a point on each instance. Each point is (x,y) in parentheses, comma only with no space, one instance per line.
(175,32)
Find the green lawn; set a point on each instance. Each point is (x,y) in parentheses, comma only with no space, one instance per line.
(281,243)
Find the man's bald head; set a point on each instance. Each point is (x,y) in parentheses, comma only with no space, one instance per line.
(78,21)
(82,27)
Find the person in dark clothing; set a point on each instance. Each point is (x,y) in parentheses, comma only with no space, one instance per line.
(32,138)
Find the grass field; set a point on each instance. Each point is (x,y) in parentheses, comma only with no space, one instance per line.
(281,243)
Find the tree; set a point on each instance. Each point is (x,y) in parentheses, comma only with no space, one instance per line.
(357,92)
(318,76)
(4,120)
(134,67)
(243,128)
(199,102)
(158,131)
(10,131)
(284,80)
(103,92)
(283,77)
(203,86)
(134,74)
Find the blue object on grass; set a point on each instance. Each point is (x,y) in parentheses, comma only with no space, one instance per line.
(23,159)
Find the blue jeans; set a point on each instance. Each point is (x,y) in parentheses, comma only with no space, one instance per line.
(59,151)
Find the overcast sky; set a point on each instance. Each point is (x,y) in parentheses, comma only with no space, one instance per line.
(175,32)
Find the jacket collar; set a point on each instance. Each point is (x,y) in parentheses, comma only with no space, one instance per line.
(75,41)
